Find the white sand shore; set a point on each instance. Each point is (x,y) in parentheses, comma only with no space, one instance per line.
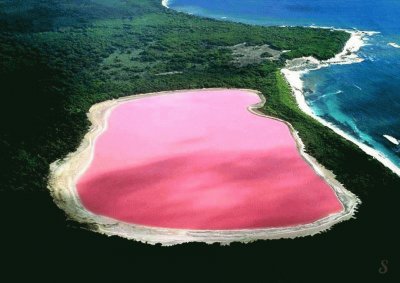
(65,173)
(296,68)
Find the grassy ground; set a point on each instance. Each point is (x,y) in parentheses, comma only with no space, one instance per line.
(57,58)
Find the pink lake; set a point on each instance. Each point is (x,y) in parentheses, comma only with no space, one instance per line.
(202,160)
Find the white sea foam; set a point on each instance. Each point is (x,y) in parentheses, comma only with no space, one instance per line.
(165,3)
(327,94)
(296,68)
(392,139)
(393,44)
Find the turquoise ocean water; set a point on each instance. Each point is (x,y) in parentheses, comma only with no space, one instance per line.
(362,99)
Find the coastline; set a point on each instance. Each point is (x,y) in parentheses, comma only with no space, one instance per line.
(65,173)
(296,68)
(306,64)
(347,56)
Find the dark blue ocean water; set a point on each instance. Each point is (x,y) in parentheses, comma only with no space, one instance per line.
(363,99)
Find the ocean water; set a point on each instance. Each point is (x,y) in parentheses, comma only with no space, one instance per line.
(363,99)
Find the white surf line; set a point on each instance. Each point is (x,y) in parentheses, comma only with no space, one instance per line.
(65,173)
(393,44)
(348,56)
(392,139)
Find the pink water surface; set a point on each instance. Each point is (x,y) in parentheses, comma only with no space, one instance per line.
(201,160)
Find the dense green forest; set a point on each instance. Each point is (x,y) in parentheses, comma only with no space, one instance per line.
(53,68)
(59,57)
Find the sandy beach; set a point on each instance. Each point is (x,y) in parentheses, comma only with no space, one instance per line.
(65,173)
(296,68)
